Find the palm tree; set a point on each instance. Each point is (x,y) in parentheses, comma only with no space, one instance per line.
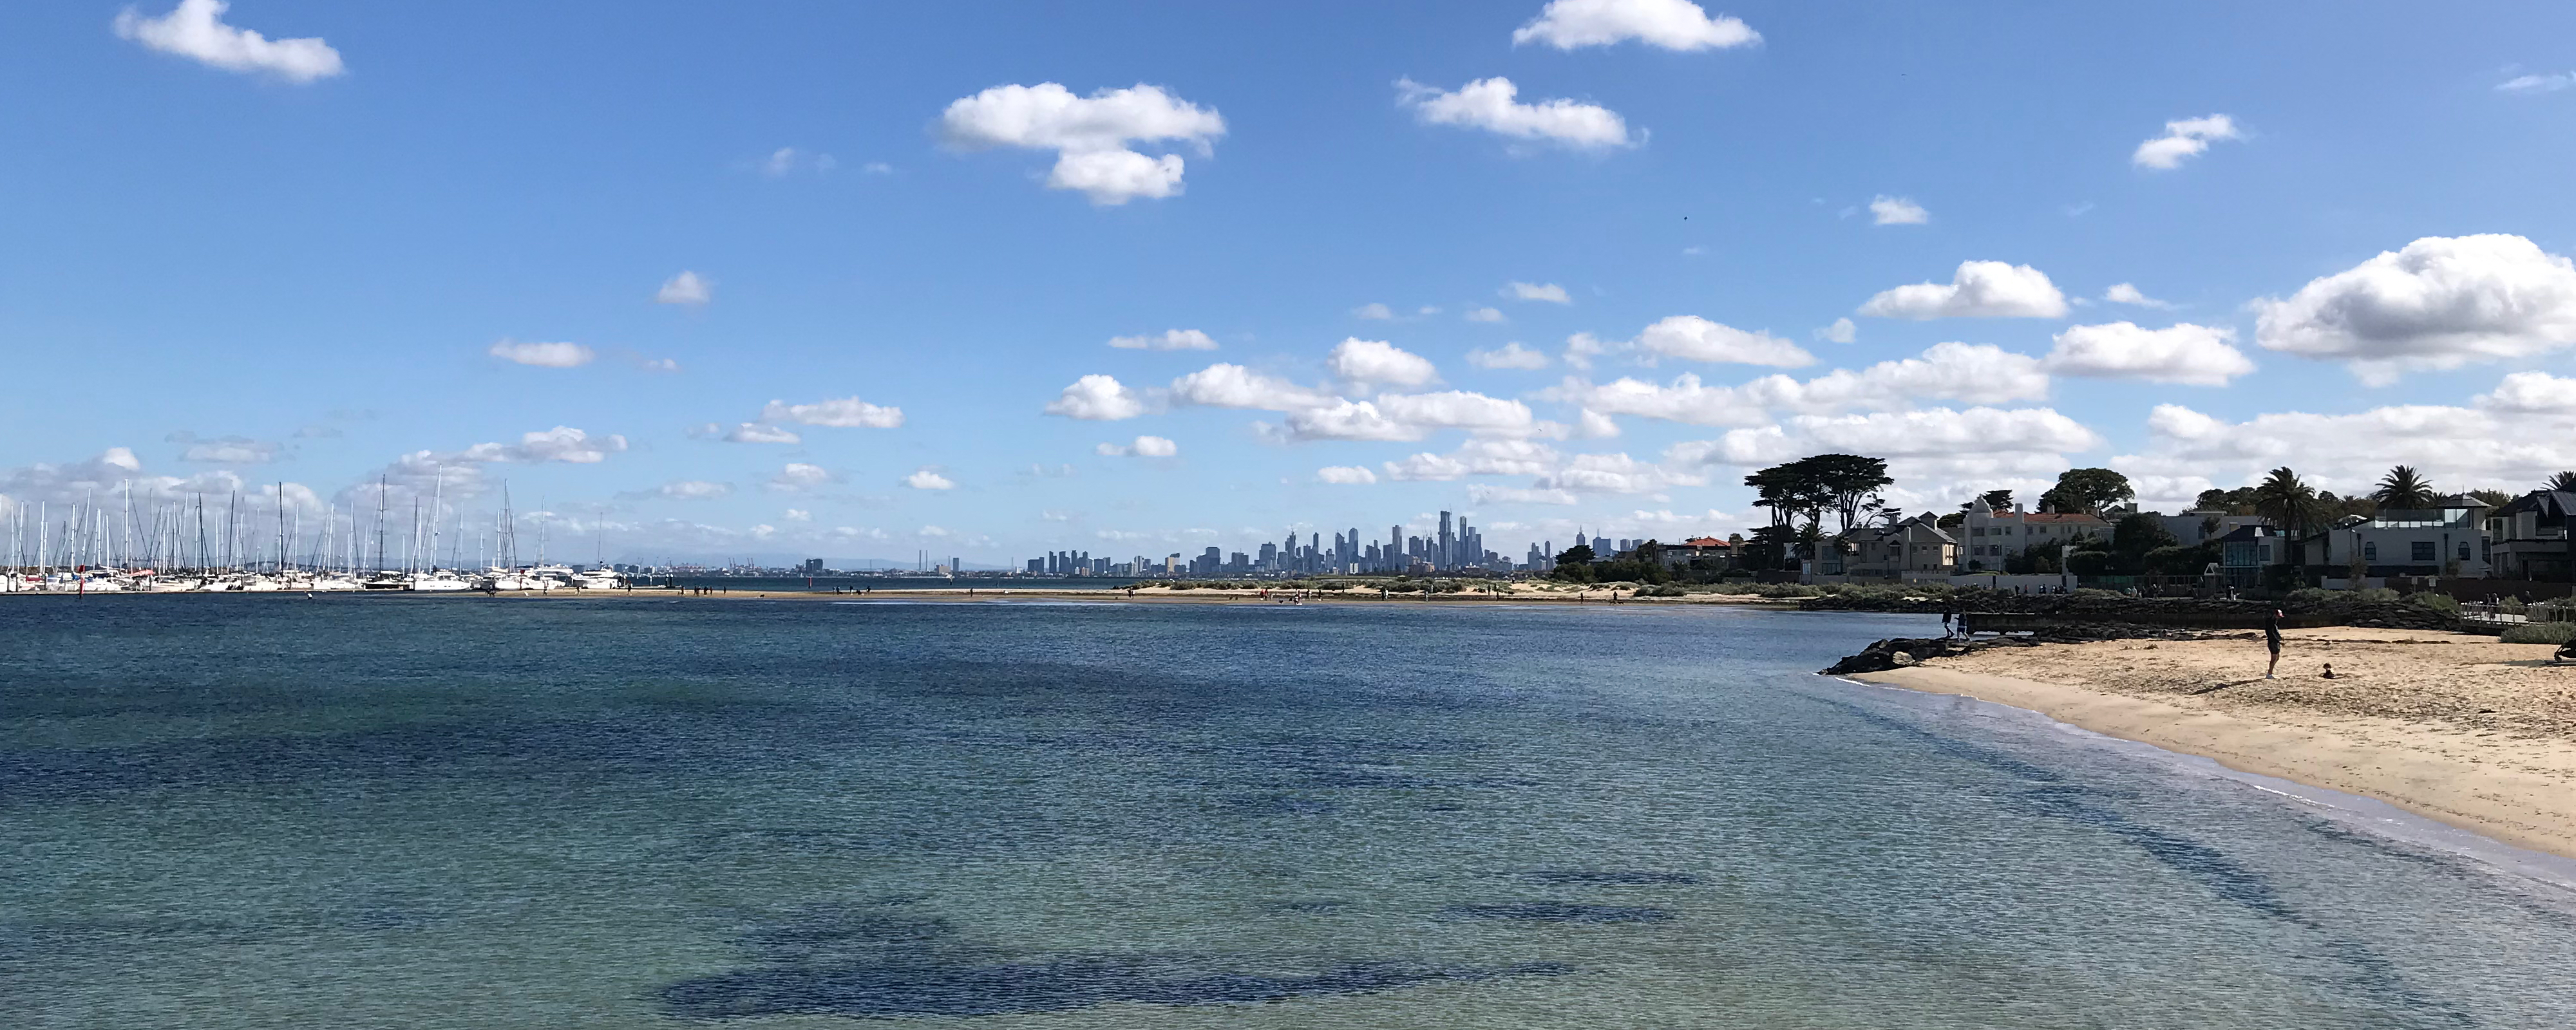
(2560,481)
(2404,489)
(2291,504)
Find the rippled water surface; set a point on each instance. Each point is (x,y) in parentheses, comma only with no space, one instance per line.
(471,812)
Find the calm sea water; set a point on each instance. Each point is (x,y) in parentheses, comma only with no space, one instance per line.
(468,812)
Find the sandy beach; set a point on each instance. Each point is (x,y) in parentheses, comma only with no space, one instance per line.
(2454,727)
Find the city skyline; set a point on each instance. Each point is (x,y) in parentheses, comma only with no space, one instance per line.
(983,282)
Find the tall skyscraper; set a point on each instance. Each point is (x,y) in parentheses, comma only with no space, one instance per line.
(1441,551)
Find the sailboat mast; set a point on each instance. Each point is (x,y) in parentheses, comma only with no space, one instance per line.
(437,496)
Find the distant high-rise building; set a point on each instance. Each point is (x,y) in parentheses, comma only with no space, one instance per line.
(813,566)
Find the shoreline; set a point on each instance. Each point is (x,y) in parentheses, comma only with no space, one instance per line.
(1104,596)
(2517,790)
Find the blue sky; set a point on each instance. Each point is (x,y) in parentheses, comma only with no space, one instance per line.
(306,269)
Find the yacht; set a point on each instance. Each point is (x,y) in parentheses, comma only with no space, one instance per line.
(440,581)
(598,579)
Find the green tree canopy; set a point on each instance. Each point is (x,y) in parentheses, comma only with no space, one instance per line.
(2239,501)
(2560,481)
(2087,491)
(2135,535)
(1811,486)
(1999,500)
(2403,488)
(2287,500)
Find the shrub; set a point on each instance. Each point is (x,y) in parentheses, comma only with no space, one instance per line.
(2512,606)
(2439,602)
(2541,633)
(2375,594)
(1667,590)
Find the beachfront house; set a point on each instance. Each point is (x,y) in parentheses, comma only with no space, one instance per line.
(2448,540)
(1990,535)
(1681,555)
(1915,548)
(2195,527)
(2527,537)
(2248,553)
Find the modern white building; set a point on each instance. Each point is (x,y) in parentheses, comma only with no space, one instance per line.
(1989,535)
(2449,541)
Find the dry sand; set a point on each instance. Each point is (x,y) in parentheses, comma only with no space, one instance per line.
(2459,728)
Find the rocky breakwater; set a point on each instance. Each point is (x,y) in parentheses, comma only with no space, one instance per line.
(1899,652)
(2080,614)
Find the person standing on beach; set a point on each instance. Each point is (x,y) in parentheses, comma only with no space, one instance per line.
(2272,641)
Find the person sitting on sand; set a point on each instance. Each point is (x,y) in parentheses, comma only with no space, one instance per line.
(2329,670)
(2272,640)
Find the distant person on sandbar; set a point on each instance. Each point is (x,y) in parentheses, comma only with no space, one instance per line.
(2272,641)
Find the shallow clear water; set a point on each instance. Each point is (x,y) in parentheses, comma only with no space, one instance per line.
(470,812)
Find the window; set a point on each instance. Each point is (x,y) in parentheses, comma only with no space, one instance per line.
(2426,550)
(2370,551)
(2464,550)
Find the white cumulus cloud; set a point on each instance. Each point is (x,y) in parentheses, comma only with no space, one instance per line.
(2124,293)
(845,413)
(196,30)
(2183,138)
(1512,355)
(1142,447)
(685,288)
(2192,355)
(1478,457)
(1169,339)
(1234,386)
(1979,289)
(562,443)
(1927,443)
(1485,315)
(928,479)
(799,476)
(2537,83)
(544,355)
(2441,302)
(1489,104)
(2510,439)
(1549,292)
(1887,210)
(695,490)
(1373,312)
(1346,475)
(1409,417)
(1091,136)
(1841,331)
(1097,398)
(1692,338)
(1670,24)
(1972,373)
(1377,361)
(752,432)
(2532,393)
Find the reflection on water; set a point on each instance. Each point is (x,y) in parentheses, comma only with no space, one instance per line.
(257,812)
